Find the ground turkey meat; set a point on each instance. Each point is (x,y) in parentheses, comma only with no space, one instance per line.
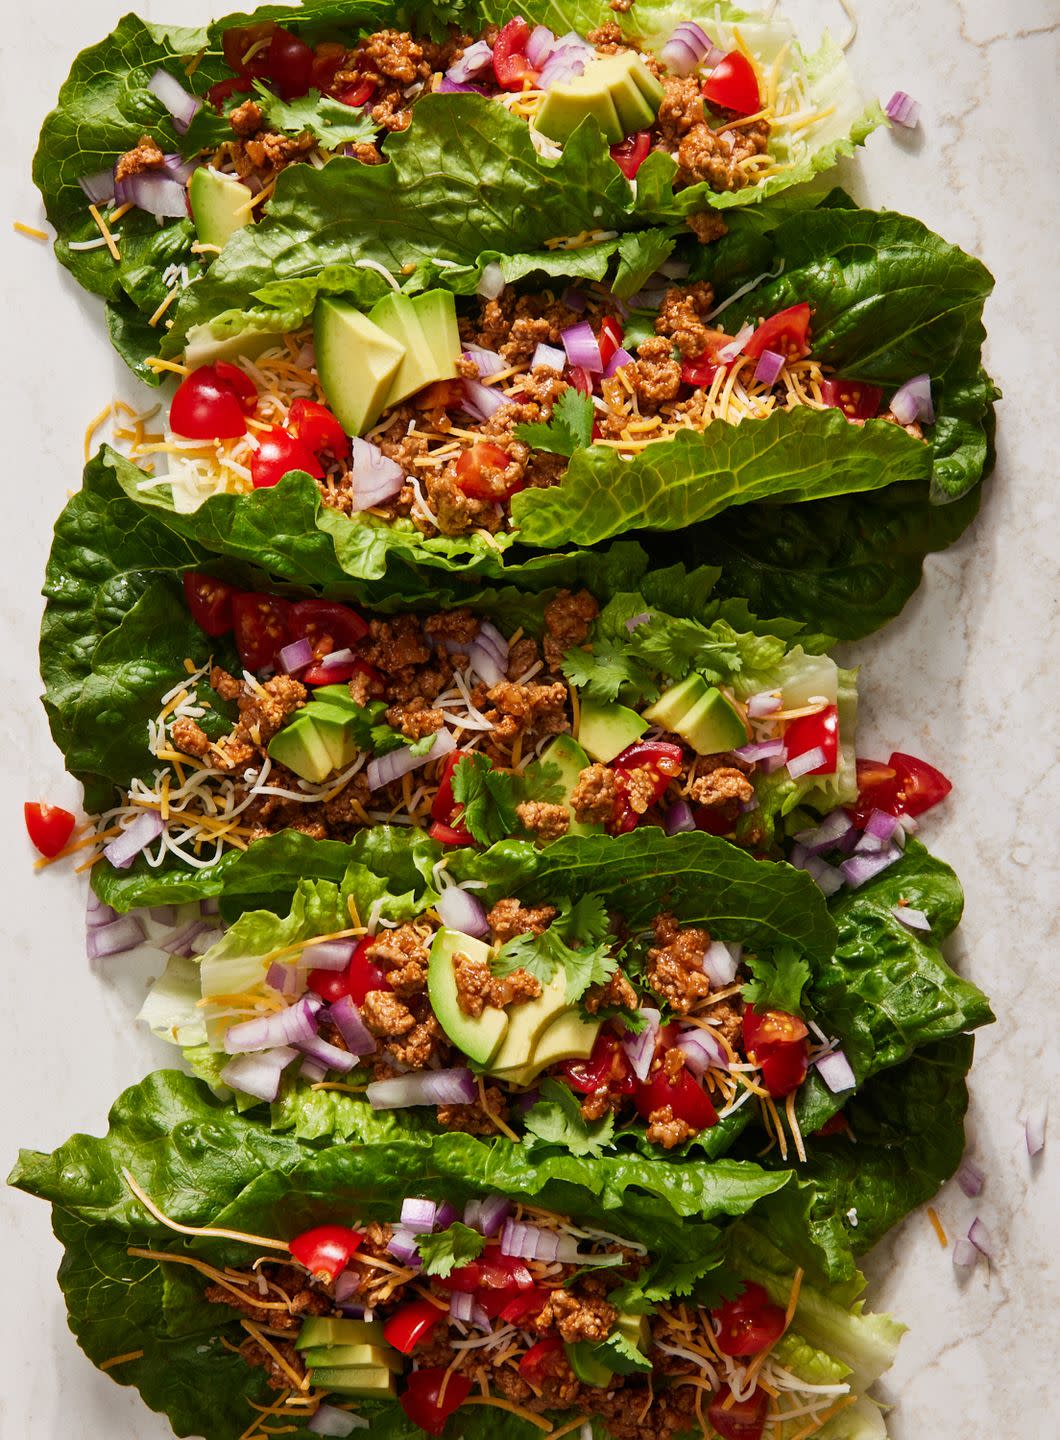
(721,786)
(508,918)
(536,710)
(707,226)
(641,784)
(682,317)
(262,711)
(279,1378)
(595,795)
(395,646)
(666,1130)
(576,1317)
(472,1119)
(547,822)
(655,375)
(459,625)
(726,1017)
(404,955)
(672,1413)
(301,1300)
(675,964)
(247,119)
(415,719)
(145,155)
(225,685)
(273,152)
(189,737)
(567,621)
(617,993)
(715,155)
(477,986)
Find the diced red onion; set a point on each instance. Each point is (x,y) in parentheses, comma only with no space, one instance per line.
(970,1178)
(721,963)
(735,348)
(491,281)
(861,868)
(447,1213)
(181,105)
(282,978)
(582,349)
(618,359)
(346,1018)
(679,818)
(124,848)
(488,361)
(914,919)
(403,1245)
(332,1057)
(163,914)
(461,1306)
(258,1075)
(177,168)
(210,906)
(871,844)
(338,657)
(702,1052)
(387,768)
(487,1215)
(764,703)
(475,59)
(639,1047)
(454,87)
(328,955)
(181,941)
(346,1285)
(827,878)
(156,192)
(913,401)
(826,836)
(574,299)
(373,477)
(287,1027)
(903,110)
(98,187)
(760,750)
(489,635)
(965,1255)
(769,366)
(484,664)
(799,855)
(799,765)
(1034,1131)
(531,1242)
(312,1071)
(461,910)
(97,913)
(881,825)
(425,1087)
(565,63)
(836,1072)
(295,657)
(115,937)
(636,621)
(482,401)
(772,763)
(688,38)
(418,1215)
(539,46)
(549,355)
(330,1420)
(206,939)
(979,1235)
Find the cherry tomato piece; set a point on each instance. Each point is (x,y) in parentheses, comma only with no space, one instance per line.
(749,1323)
(424,1402)
(326,625)
(524,1305)
(784,1069)
(813,732)
(225,89)
(212,403)
(360,976)
(786,333)
(411,1324)
(260,625)
(339,675)
(451,834)
(920,785)
(699,371)
(534,1363)
(733,85)
(326,1249)
(606,1068)
(857,400)
(771,1027)
(479,472)
(328,59)
(357,95)
(837,1125)
(777,1042)
(288,63)
(49,826)
(740,1419)
(581,379)
(317,428)
(444,804)
(687,1099)
(278,453)
(661,755)
(209,602)
(630,154)
(238,43)
(510,64)
(610,339)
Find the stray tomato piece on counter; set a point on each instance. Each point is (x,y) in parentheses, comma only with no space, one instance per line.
(630,154)
(278,453)
(49,826)
(260,623)
(749,1323)
(815,732)
(411,1324)
(510,64)
(904,786)
(739,1419)
(427,1404)
(325,1250)
(209,602)
(733,85)
(857,400)
(212,403)
(786,333)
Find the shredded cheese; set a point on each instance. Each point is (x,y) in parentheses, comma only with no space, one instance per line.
(212,1232)
(30,230)
(105,232)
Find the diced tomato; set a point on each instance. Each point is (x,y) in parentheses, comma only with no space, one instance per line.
(444,804)
(713,819)
(786,333)
(326,1249)
(630,154)
(533,1364)
(700,370)
(510,64)
(316,427)
(328,59)
(410,1324)
(260,624)
(771,1027)
(357,95)
(451,834)
(212,403)
(278,454)
(747,1324)
(49,826)
(739,1419)
(605,1069)
(836,1125)
(733,85)
(326,625)
(426,1404)
(581,379)
(239,40)
(209,602)
(686,1098)
(784,1069)
(778,1043)
(662,758)
(524,1305)
(442,395)
(339,674)
(477,472)
(904,786)
(810,732)
(225,89)
(494,1279)
(288,63)
(857,400)
(610,339)
(360,976)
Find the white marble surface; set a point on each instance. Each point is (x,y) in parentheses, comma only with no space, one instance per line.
(966,677)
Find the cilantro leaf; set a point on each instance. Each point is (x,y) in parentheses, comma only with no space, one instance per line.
(331,122)
(541,955)
(778,980)
(449,1249)
(621,1355)
(557,1119)
(488,797)
(570,429)
(702,1275)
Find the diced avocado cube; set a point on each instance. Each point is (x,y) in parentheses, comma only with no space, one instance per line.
(713,725)
(636,1329)
(570,102)
(647,84)
(336,731)
(426,326)
(478,1036)
(356,363)
(606,730)
(676,702)
(220,205)
(301,747)
(361,1381)
(320,1330)
(528,1022)
(586,1365)
(371,1357)
(566,755)
(337,696)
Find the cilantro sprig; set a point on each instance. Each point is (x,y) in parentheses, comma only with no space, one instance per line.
(576,943)
(488,797)
(570,429)
(448,1250)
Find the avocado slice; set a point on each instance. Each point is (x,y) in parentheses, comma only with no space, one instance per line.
(359,1357)
(633,88)
(436,310)
(478,1036)
(712,725)
(568,756)
(356,363)
(338,697)
(527,1023)
(336,731)
(363,1381)
(676,702)
(328,1330)
(604,731)
(616,90)
(302,748)
(220,205)
(569,1037)
(589,1369)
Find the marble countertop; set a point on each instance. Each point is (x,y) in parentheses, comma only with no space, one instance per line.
(965,678)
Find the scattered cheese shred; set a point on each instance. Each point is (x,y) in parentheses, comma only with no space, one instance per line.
(213,1232)
(528,1415)
(94,425)
(31,231)
(125,1359)
(166,303)
(104,231)
(940,1231)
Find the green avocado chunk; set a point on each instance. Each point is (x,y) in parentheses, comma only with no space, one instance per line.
(585,1364)
(527,1023)
(618,91)
(427,331)
(713,725)
(356,362)
(220,205)
(569,1037)
(302,747)
(606,730)
(368,1357)
(675,702)
(478,1036)
(366,1382)
(328,1330)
